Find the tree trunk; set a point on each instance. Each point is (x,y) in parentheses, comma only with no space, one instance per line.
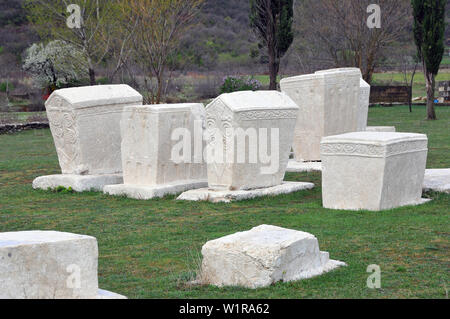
(159,91)
(274,66)
(430,79)
(92,76)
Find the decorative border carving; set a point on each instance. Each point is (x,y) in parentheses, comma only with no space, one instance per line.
(371,150)
(65,135)
(268,115)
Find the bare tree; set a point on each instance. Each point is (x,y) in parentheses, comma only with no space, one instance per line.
(158,26)
(338,33)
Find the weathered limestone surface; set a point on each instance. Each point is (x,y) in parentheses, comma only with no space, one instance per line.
(364,97)
(250,116)
(437,180)
(85,124)
(329,105)
(263,256)
(301,167)
(381,129)
(149,166)
(49,265)
(79,183)
(373,171)
(227,196)
(141,192)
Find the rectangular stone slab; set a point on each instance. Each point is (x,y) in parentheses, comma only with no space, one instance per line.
(224,196)
(373,171)
(147,145)
(39,265)
(141,192)
(78,183)
(364,97)
(381,129)
(85,124)
(437,180)
(329,103)
(263,256)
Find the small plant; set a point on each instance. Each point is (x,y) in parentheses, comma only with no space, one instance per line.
(235,84)
(63,190)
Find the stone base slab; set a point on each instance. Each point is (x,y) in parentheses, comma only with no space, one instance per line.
(422,201)
(149,192)
(301,167)
(79,183)
(206,194)
(437,180)
(104,294)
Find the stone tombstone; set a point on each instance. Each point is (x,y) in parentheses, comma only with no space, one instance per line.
(263,256)
(85,124)
(364,98)
(254,131)
(147,144)
(381,129)
(329,105)
(373,171)
(49,265)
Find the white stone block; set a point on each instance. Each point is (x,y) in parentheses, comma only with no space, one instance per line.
(85,124)
(49,265)
(302,167)
(364,101)
(364,97)
(141,192)
(39,265)
(437,180)
(329,105)
(263,256)
(373,171)
(252,134)
(79,183)
(228,196)
(153,164)
(381,129)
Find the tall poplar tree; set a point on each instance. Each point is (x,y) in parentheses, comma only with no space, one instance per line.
(429,28)
(272,22)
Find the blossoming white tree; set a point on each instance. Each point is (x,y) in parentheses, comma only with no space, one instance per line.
(55,64)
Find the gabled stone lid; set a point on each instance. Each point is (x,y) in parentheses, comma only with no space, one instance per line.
(379,138)
(321,75)
(12,239)
(256,100)
(348,70)
(374,144)
(98,95)
(164,108)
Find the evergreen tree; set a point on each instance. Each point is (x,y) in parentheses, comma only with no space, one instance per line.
(272,22)
(429,28)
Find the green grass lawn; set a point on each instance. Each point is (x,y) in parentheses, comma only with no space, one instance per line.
(150,249)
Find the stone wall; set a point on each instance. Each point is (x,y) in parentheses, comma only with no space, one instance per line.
(14,128)
(390,94)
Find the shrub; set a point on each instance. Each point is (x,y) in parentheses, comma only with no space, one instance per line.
(3,86)
(55,64)
(235,84)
